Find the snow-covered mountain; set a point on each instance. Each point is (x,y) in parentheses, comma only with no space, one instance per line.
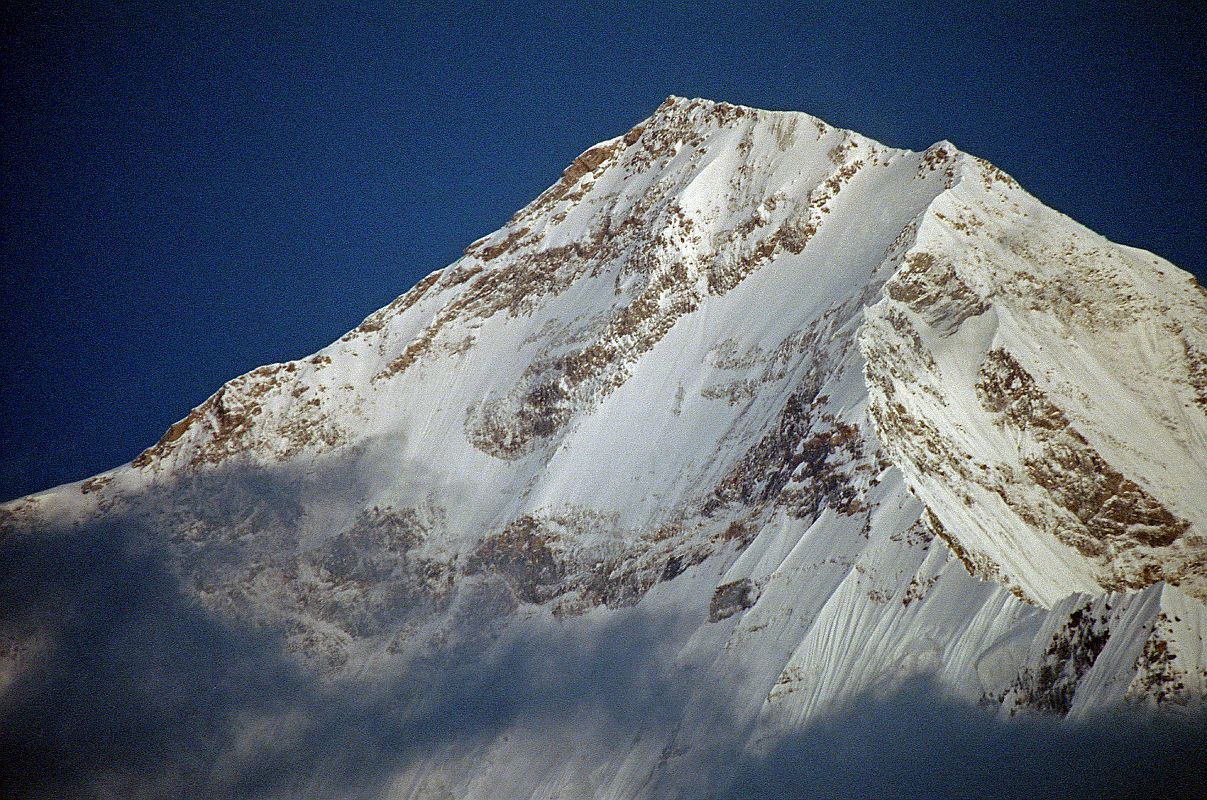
(828,415)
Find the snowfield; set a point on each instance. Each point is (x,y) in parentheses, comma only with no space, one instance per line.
(821,417)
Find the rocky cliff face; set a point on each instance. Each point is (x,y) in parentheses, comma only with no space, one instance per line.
(846,414)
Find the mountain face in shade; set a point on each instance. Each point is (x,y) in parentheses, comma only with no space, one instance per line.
(825,416)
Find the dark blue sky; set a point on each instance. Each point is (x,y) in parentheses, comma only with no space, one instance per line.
(189,195)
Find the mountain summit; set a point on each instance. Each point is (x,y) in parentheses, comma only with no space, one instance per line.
(827,415)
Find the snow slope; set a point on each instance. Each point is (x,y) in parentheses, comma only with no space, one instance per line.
(843,414)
